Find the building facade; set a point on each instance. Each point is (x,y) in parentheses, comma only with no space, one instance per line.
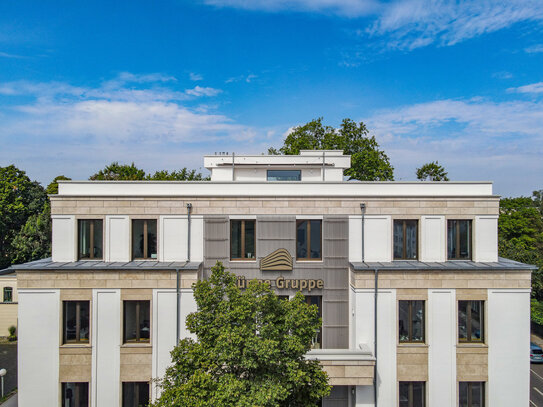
(417,309)
(9,300)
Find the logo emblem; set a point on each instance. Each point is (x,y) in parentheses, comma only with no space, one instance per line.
(279,260)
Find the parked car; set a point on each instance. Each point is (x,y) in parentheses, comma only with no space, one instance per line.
(536,353)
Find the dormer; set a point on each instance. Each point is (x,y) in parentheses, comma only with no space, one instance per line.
(309,165)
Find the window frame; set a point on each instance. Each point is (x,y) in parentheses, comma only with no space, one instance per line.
(291,180)
(410,385)
(136,393)
(404,245)
(63,391)
(457,231)
(242,243)
(91,239)
(410,322)
(138,339)
(470,392)
(145,239)
(78,339)
(308,238)
(469,322)
(7,289)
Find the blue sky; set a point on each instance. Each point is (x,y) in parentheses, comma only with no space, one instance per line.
(162,83)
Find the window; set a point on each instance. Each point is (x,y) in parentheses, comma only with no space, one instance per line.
(8,294)
(405,239)
(76,321)
(75,394)
(459,239)
(137,327)
(411,320)
(242,239)
(144,239)
(412,394)
(284,175)
(309,240)
(316,342)
(90,232)
(135,394)
(471,394)
(470,321)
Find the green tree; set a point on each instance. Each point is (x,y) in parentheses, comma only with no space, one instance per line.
(182,175)
(20,198)
(119,172)
(432,172)
(52,188)
(250,350)
(368,162)
(33,241)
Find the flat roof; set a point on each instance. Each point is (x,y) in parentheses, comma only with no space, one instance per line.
(48,264)
(452,265)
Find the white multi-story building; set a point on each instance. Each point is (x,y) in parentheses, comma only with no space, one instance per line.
(417,308)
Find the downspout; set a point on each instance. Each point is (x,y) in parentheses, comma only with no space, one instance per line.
(363,210)
(189,210)
(375,337)
(178,293)
(323,164)
(233,168)
(178,311)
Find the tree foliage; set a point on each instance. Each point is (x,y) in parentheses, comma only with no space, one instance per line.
(249,351)
(33,241)
(20,198)
(432,172)
(125,172)
(182,175)
(52,188)
(368,162)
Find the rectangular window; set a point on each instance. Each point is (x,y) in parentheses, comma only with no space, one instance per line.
(8,294)
(471,321)
(309,240)
(242,240)
(471,394)
(316,300)
(411,320)
(90,238)
(459,239)
(412,394)
(76,321)
(405,239)
(75,394)
(136,317)
(284,175)
(135,394)
(144,239)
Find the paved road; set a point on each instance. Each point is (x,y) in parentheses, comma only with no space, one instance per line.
(8,361)
(12,402)
(536,385)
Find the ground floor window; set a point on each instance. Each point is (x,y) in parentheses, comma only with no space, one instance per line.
(137,325)
(75,394)
(135,394)
(471,394)
(412,394)
(316,300)
(76,321)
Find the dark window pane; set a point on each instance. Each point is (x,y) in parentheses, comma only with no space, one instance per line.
(135,394)
(84,239)
(476,321)
(463,394)
(451,239)
(8,294)
(316,300)
(70,322)
(477,394)
(76,321)
(419,395)
(411,239)
(301,240)
(90,238)
(417,321)
(404,394)
(75,394)
(84,315)
(151,239)
(471,394)
(458,239)
(463,320)
(404,321)
(137,326)
(144,239)
(249,239)
(412,394)
(98,239)
(138,240)
(316,252)
(398,239)
(464,232)
(284,175)
(235,239)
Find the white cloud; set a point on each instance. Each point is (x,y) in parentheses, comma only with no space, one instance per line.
(13,56)
(195,77)
(534,49)
(242,78)
(202,91)
(531,88)
(502,75)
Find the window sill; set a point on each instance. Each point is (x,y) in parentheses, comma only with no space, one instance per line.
(412,345)
(137,345)
(309,261)
(471,345)
(243,260)
(86,259)
(76,345)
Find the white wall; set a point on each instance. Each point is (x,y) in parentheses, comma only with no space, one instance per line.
(508,339)
(441,331)
(486,238)
(106,342)
(173,238)
(64,238)
(386,346)
(355,238)
(377,238)
(117,238)
(433,238)
(38,347)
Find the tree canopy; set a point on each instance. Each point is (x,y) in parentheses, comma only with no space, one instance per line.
(432,172)
(125,172)
(52,188)
(249,351)
(368,162)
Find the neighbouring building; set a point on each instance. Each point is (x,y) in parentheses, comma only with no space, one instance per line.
(417,308)
(9,297)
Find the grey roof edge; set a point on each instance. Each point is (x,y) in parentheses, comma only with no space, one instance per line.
(451,265)
(48,264)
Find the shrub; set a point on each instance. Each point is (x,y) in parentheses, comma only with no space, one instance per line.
(12,337)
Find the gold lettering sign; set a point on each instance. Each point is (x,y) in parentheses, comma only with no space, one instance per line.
(279,260)
(282,283)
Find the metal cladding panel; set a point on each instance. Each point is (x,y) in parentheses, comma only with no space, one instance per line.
(279,232)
